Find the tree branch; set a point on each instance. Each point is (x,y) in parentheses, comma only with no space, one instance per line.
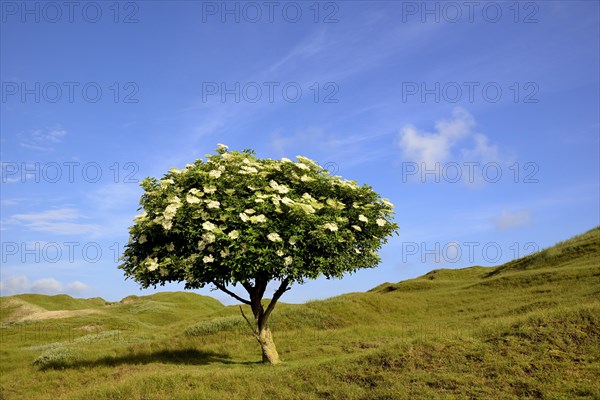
(280,291)
(235,296)
(247,320)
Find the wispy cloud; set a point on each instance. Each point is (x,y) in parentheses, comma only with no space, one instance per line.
(332,148)
(331,54)
(10,202)
(42,139)
(308,48)
(513,219)
(319,56)
(63,221)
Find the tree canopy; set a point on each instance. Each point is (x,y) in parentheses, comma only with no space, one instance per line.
(238,219)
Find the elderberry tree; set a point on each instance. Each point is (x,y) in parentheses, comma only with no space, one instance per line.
(235,219)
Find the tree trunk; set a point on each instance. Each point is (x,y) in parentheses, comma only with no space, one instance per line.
(260,330)
(269,352)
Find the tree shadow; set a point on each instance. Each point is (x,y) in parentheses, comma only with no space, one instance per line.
(189,356)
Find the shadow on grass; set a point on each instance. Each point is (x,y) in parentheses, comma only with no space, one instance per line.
(188,356)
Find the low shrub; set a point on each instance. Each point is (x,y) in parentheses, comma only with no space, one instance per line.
(58,357)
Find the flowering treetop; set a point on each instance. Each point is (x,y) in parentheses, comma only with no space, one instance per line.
(234,218)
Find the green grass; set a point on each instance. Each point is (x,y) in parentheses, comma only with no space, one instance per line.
(526,329)
(60,302)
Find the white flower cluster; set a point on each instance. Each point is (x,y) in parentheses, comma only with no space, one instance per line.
(246,170)
(151,264)
(274,237)
(331,226)
(255,219)
(166,220)
(166,182)
(213,204)
(306,160)
(209,226)
(193,196)
(387,203)
(282,189)
(215,173)
(140,217)
(335,204)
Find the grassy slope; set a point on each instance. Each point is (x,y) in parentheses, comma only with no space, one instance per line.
(529,328)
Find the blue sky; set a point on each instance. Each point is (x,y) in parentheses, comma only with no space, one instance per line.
(480,124)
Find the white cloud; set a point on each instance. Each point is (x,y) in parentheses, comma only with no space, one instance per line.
(509,220)
(42,139)
(77,287)
(46,286)
(20,284)
(424,148)
(482,150)
(14,284)
(60,221)
(438,146)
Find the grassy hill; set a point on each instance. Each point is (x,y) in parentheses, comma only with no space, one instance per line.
(527,329)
